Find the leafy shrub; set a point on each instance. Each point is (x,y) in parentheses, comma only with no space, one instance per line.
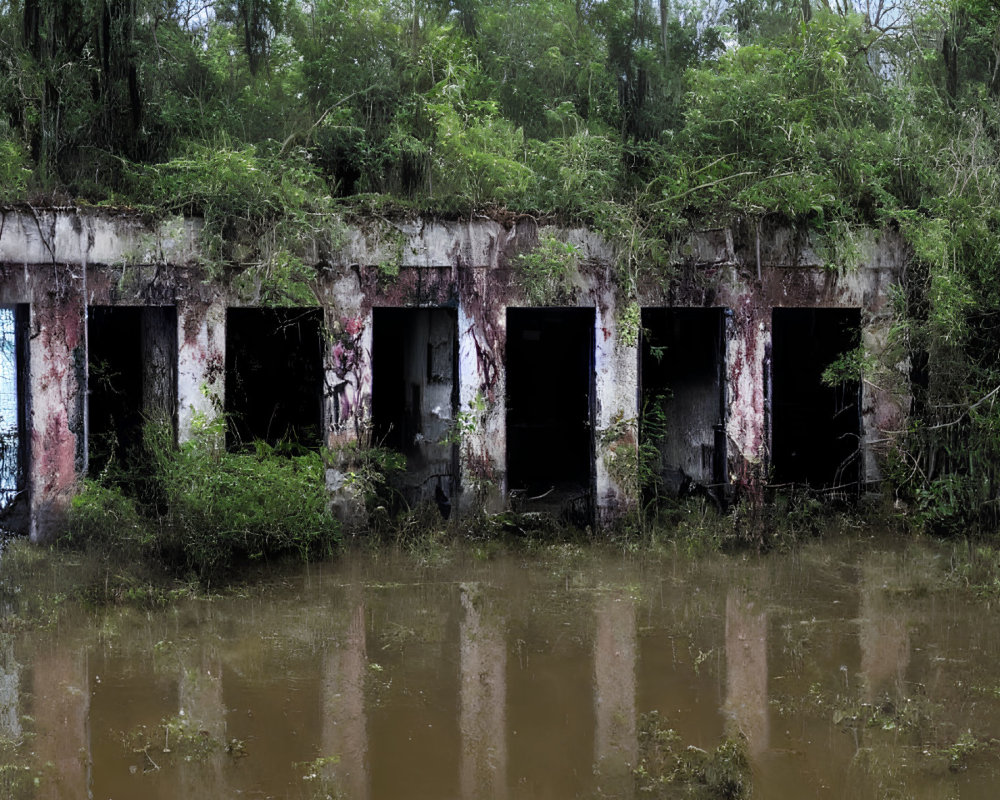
(340,148)
(229,184)
(204,510)
(796,128)
(574,174)
(225,508)
(368,471)
(103,516)
(478,158)
(948,505)
(546,271)
(14,170)
(262,210)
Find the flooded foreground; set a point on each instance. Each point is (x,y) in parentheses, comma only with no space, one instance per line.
(840,671)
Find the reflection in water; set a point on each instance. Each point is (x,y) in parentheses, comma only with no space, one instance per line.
(885,654)
(885,637)
(615,738)
(515,678)
(10,683)
(746,670)
(61,708)
(202,713)
(483,701)
(345,724)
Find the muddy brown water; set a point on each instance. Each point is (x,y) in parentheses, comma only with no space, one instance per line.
(847,669)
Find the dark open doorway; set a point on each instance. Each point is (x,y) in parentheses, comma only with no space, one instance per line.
(683,369)
(131,378)
(550,383)
(415,396)
(816,428)
(13,418)
(274,376)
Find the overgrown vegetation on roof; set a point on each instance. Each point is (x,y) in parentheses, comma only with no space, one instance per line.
(640,118)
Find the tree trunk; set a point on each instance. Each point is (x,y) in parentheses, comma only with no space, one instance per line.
(664,14)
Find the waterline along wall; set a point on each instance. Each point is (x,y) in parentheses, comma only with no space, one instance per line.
(437,339)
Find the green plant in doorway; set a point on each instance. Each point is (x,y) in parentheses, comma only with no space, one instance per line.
(368,470)
(629,323)
(466,422)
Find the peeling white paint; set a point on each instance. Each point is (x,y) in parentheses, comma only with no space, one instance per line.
(201,360)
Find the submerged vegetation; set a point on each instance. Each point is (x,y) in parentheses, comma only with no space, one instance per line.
(667,769)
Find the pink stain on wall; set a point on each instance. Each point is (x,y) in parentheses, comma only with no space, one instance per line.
(58,357)
(54,448)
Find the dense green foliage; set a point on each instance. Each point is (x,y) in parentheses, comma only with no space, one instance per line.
(201,510)
(640,118)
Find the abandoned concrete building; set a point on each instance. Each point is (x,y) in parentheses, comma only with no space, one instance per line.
(494,399)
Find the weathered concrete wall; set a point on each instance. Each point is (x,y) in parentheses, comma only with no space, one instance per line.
(616,365)
(61,261)
(723,271)
(57,386)
(201,363)
(75,236)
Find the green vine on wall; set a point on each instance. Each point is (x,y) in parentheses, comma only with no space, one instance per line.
(546,271)
(466,423)
(620,453)
(629,322)
(389,267)
(263,216)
